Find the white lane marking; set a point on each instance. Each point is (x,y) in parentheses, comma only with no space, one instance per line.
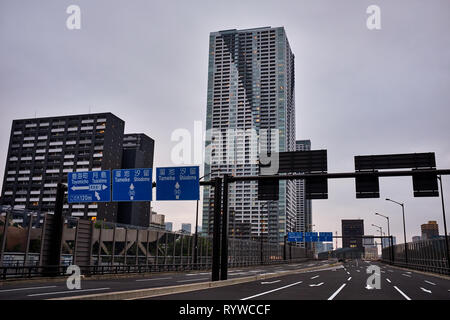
(270,282)
(273,290)
(349,279)
(388,280)
(433,284)
(309,265)
(401,292)
(316,285)
(348,272)
(337,292)
(263,274)
(154,279)
(314,277)
(193,279)
(66,292)
(383,271)
(390,271)
(406,275)
(358,270)
(197,274)
(31,288)
(425,290)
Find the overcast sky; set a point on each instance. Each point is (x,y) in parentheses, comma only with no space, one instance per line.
(358,91)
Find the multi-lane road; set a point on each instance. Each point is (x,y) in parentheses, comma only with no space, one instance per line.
(346,281)
(58,289)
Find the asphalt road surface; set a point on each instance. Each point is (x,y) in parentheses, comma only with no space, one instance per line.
(48,290)
(346,282)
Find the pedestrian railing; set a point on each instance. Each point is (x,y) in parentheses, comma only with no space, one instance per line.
(111,248)
(424,255)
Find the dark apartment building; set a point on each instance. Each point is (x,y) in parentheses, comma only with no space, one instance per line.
(42,151)
(352,232)
(138,152)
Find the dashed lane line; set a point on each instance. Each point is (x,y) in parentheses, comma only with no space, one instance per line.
(193,280)
(316,285)
(349,279)
(406,275)
(30,288)
(402,293)
(433,284)
(154,279)
(425,290)
(314,277)
(388,280)
(66,292)
(270,291)
(337,292)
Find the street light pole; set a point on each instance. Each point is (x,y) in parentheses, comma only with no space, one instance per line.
(404,228)
(445,225)
(389,233)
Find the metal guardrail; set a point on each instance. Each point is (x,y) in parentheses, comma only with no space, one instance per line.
(424,255)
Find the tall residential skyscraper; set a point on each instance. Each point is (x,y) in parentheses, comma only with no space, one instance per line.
(250,90)
(304,208)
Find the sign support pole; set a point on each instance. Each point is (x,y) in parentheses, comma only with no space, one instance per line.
(224,257)
(216,230)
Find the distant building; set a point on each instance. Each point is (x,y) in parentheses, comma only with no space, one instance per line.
(199,229)
(186,228)
(157,221)
(386,242)
(430,230)
(368,241)
(303,205)
(324,247)
(138,152)
(416,238)
(169,226)
(371,252)
(352,232)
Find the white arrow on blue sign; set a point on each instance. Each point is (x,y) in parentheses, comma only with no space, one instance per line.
(132,185)
(89,186)
(177,183)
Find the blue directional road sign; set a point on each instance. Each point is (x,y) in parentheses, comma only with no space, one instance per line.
(295,237)
(90,186)
(326,236)
(311,237)
(132,185)
(177,183)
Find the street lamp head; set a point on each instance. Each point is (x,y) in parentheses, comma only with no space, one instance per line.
(387,199)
